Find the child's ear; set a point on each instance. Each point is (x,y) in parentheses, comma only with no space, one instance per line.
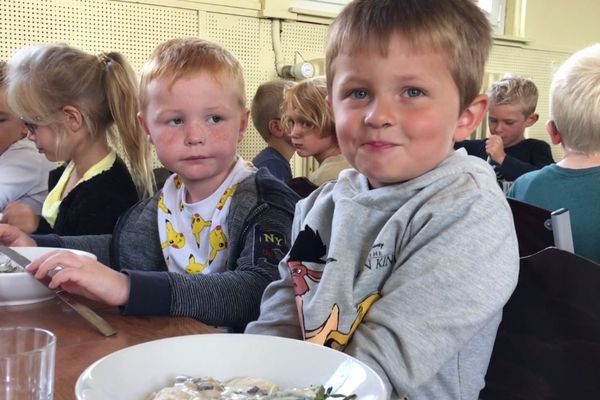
(23,131)
(275,128)
(144,125)
(555,135)
(531,119)
(243,124)
(471,117)
(74,118)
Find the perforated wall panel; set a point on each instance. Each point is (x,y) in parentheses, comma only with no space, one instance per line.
(93,25)
(242,36)
(303,41)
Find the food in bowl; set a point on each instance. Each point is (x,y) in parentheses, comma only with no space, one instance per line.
(7,266)
(17,286)
(241,388)
(127,374)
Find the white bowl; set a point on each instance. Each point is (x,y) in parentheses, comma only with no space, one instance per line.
(21,287)
(135,372)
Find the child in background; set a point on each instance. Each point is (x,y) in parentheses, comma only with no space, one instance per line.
(266,117)
(308,121)
(573,182)
(23,171)
(74,105)
(387,263)
(513,100)
(209,243)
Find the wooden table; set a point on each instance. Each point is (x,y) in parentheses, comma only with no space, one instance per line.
(79,344)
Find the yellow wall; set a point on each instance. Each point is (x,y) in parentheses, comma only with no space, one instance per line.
(554,29)
(562,24)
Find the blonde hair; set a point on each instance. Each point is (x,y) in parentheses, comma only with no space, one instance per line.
(575,100)
(3,68)
(309,99)
(177,58)
(456,27)
(514,90)
(43,79)
(266,105)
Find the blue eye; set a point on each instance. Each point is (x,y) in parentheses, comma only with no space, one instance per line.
(214,119)
(358,94)
(176,121)
(413,92)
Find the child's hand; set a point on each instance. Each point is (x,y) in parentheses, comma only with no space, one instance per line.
(494,147)
(12,236)
(20,215)
(83,276)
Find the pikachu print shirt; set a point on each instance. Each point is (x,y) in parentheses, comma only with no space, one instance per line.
(194,236)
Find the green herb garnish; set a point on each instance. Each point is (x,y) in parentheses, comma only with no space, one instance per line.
(323,394)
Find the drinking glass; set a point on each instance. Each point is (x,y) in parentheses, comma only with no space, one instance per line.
(26,363)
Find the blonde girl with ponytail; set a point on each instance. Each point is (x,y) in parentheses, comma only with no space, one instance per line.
(79,109)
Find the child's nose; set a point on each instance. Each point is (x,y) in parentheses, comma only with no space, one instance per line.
(381,113)
(194,135)
(295,131)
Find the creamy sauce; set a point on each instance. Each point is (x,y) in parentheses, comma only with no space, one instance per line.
(243,388)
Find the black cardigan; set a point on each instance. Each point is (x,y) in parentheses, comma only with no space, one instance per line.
(94,206)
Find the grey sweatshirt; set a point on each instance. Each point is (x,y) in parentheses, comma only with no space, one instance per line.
(409,278)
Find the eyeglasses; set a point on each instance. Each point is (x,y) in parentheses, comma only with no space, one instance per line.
(31,127)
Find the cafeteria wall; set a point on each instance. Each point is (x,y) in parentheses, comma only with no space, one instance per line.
(550,30)
(543,33)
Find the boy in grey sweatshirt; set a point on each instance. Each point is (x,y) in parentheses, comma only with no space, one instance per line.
(406,261)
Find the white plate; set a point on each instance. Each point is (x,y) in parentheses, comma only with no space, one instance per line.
(21,287)
(135,372)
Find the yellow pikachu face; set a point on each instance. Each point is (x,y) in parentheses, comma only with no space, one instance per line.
(228,193)
(218,242)
(174,239)
(194,267)
(198,225)
(162,205)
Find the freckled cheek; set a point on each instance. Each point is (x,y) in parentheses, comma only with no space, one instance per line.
(167,146)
